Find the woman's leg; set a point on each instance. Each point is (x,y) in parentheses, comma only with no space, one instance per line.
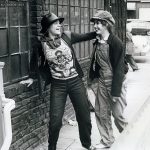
(132,62)
(77,93)
(57,105)
(118,109)
(103,115)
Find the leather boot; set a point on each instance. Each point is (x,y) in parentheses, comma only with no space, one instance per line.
(52,147)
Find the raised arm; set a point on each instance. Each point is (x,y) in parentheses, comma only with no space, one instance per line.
(75,37)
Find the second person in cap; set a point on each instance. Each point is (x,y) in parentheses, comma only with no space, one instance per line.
(108,66)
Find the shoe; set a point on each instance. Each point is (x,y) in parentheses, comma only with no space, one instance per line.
(101,146)
(136,69)
(51,147)
(91,148)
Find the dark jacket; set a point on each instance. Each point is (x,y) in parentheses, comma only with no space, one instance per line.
(117,59)
(39,65)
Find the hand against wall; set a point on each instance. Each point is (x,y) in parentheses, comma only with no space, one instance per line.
(28,82)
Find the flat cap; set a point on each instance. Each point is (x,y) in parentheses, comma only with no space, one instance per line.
(103,15)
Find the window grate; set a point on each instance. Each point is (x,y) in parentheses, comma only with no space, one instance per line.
(14,39)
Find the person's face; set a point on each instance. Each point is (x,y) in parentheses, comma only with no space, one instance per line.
(55,28)
(99,28)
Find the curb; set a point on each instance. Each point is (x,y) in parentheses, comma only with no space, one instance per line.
(131,136)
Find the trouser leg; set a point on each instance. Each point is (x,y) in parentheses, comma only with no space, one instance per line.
(132,62)
(118,109)
(103,116)
(79,100)
(57,106)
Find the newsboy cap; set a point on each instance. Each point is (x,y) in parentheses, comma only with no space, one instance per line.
(103,15)
(49,19)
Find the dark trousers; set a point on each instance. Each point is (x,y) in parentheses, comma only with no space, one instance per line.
(132,62)
(75,89)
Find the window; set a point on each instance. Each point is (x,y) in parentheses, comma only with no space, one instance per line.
(144,13)
(77,14)
(14,39)
(14,31)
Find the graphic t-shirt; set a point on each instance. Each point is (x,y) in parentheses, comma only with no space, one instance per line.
(60,61)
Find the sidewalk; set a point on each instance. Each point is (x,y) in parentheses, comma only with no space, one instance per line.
(138,90)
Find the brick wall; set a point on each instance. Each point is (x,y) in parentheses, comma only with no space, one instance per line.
(30,118)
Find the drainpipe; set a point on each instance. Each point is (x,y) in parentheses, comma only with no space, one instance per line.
(6,105)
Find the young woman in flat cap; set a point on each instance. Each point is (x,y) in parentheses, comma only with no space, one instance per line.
(107,65)
(59,66)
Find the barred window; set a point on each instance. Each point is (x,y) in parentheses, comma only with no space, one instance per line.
(14,39)
(14,31)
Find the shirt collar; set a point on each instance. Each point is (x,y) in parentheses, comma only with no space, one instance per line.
(104,40)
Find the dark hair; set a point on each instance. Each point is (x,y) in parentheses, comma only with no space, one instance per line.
(46,34)
(109,26)
(47,20)
(105,23)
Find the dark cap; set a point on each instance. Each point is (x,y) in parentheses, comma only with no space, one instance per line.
(49,19)
(103,15)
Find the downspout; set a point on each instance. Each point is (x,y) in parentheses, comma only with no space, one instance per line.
(6,106)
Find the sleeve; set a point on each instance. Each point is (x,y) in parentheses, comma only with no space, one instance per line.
(75,37)
(118,68)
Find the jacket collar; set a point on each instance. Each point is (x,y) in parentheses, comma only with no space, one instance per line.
(109,41)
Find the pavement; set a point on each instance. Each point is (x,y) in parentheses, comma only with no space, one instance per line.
(136,135)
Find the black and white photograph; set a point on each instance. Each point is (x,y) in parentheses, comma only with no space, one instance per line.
(74,74)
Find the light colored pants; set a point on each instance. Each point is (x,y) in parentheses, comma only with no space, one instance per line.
(104,107)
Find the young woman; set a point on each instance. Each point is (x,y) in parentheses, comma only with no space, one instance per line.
(108,66)
(59,66)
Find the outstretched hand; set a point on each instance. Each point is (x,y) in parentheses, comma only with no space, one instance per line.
(28,82)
